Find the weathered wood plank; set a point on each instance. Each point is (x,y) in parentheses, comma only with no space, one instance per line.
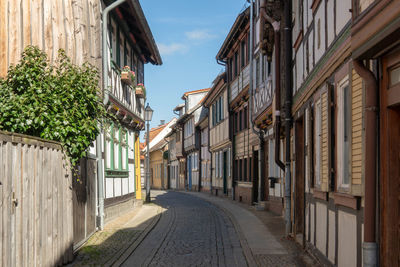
(17,183)
(15,31)
(3,38)
(50,195)
(39,208)
(24,204)
(37,23)
(6,240)
(48,30)
(2,178)
(69,28)
(77,13)
(26,23)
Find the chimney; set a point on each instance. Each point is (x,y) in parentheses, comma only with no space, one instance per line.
(162,122)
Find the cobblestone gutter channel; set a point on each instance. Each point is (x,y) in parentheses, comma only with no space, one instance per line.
(119,238)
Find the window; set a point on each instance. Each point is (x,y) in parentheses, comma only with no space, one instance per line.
(343,133)
(116,148)
(248,48)
(245,169)
(236,64)
(218,111)
(245,118)
(243,53)
(240,170)
(257,71)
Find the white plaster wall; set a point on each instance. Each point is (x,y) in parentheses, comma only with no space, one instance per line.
(125,185)
(320,15)
(321,227)
(330,21)
(131,145)
(331,238)
(312,224)
(131,178)
(347,239)
(343,15)
(109,187)
(117,187)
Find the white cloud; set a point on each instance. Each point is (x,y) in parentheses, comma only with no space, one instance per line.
(171,48)
(200,35)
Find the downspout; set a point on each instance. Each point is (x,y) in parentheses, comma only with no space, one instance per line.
(370,247)
(288,110)
(106,11)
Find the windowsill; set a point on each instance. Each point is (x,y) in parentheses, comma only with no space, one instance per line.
(117,173)
(320,194)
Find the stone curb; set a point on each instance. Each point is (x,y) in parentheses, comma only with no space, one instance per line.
(243,241)
(119,259)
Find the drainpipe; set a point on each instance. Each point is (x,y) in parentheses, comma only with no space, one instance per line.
(288,109)
(100,179)
(370,247)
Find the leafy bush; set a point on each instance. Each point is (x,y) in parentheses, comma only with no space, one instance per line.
(59,102)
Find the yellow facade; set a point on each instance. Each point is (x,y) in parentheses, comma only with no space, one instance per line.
(138,183)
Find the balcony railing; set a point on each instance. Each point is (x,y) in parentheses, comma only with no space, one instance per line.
(240,82)
(125,94)
(262,98)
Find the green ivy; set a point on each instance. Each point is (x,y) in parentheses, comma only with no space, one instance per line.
(59,102)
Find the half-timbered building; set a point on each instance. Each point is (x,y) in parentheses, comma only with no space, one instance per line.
(375,99)
(113,36)
(219,142)
(266,97)
(328,197)
(193,111)
(235,54)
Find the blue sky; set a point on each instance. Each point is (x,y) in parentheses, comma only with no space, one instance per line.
(189,34)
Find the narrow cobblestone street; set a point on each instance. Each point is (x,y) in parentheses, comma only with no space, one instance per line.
(191,232)
(194,231)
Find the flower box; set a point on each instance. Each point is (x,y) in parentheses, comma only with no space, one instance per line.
(140,91)
(127,76)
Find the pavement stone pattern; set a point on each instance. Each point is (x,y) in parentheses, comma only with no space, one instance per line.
(108,246)
(190,232)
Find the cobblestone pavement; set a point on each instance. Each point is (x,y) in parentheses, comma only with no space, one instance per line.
(119,237)
(191,232)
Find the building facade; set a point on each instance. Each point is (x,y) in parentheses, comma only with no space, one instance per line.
(235,53)
(77,27)
(219,142)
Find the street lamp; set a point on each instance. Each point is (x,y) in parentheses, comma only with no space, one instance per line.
(148,114)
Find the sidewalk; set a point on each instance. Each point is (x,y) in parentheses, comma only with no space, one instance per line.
(262,235)
(119,238)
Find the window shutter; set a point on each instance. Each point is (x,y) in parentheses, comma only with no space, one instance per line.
(324,142)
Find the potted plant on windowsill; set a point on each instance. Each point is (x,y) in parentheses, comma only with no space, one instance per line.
(127,76)
(140,90)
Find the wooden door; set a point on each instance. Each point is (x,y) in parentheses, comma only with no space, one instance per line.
(390,161)
(299,179)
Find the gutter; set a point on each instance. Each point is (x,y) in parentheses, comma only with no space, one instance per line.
(370,247)
(100,180)
(288,110)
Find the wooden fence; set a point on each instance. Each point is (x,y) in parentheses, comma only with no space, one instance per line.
(36,221)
